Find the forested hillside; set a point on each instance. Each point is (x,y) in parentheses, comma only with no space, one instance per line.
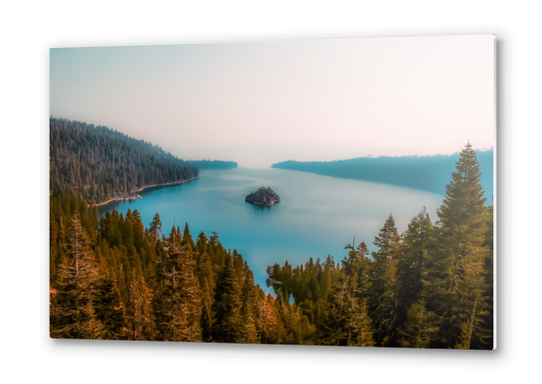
(432,286)
(429,173)
(102,164)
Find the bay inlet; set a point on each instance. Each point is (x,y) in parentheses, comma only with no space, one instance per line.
(318,215)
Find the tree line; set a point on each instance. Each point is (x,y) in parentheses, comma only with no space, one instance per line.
(120,280)
(431,286)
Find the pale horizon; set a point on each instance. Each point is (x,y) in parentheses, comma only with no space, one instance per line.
(260,103)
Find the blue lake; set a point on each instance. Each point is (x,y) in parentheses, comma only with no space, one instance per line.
(317,215)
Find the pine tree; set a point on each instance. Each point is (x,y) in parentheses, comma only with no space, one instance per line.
(128,230)
(418,241)
(455,278)
(348,322)
(384,288)
(180,296)
(206,311)
(139,313)
(362,332)
(292,320)
(419,330)
(72,306)
(109,309)
(155,227)
(187,237)
(468,327)
(227,305)
(487,341)
(139,230)
(250,308)
(271,325)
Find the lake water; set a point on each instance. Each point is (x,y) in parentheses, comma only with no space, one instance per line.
(317,215)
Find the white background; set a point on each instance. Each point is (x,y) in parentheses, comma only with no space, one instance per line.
(29,29)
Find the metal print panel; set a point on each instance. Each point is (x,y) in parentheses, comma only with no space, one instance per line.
(334,192)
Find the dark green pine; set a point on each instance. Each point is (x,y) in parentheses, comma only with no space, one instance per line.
(227,306)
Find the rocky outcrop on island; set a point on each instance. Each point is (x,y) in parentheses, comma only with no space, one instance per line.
(263,197)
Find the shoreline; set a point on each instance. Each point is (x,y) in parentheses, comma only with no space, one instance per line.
(136,196)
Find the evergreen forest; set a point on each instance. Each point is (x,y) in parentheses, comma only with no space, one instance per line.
(102,164)
(117,278)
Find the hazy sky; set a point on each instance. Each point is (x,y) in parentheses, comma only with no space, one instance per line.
(264,102)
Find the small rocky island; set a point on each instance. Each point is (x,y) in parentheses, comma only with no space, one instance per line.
(263,197)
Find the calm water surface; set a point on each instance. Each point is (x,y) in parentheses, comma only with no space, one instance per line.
(317,217)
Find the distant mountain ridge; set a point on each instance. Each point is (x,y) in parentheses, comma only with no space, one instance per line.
(428,173)
(213,164)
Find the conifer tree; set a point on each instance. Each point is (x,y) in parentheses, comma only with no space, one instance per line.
(384,288)
(206,311)
(123,284)
(139,230)
(205,271)
(348,321)
(335,328)
(155,227)
(292,320)
(419,330)
(250,310)
(468,327)
(128,231)
(201,244)
(227,305)
(72,307)
(456,269)
(139,313)
(187,237)
(362,332)
(271,324)
(418,241)
(109,309)
(486,342)
(179,299)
